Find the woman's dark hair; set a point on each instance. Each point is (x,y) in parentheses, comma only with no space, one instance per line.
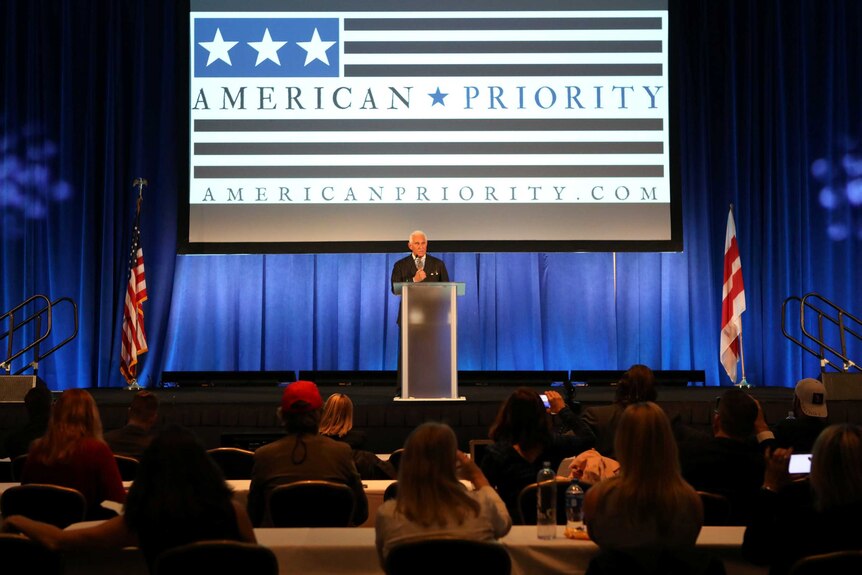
(522,420)
(637,385)
(177,484)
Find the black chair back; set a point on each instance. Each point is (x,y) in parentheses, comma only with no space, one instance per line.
(313,503)
(60,506)
(654,561)
(6,472)
(18,467)
(24,556)
(214,557)
(235,463)
(371,467)
(395,458)
(527,503)
(128,466)
(837,563)
(391,491)
(716,508)
(450,556)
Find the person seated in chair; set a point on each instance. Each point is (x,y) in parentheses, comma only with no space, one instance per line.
(648,507)
(796,519)
(337,423)
(730,462)
(431,502)
(137,434)
(178,497)
(302,454)
(809,417)
(37,402)
(524,438)
(636,384)
(72,453)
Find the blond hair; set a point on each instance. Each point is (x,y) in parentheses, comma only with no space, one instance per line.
(337,418)
(429,492)
(836,466)
(74,417)
(650,481)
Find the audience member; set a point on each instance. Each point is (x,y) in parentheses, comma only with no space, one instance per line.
(178,497)
(523,440)
(432,503)
(636,385)
(809,417)
(37,402)
(302,454)
(73,454)
(792,520)
(730,462)
(137,434)
(648,508)
(337,423)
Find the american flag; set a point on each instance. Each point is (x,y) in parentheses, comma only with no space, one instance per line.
(732,302)
(493,95)
(134,338)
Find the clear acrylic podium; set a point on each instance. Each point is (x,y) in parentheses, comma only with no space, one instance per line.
(429,340)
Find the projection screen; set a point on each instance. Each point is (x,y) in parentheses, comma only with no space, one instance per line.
(521,125)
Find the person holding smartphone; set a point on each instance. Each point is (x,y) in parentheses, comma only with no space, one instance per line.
(524,438)
(817,515)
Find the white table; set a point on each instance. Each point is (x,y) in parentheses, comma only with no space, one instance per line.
(351,551)
(333,551)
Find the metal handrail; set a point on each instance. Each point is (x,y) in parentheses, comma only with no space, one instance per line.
(6,364)
(825,311)
(42,355)
(36,317)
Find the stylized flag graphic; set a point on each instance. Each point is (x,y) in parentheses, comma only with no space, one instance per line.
(473,95)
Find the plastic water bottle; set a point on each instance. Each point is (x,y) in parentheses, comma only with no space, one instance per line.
(546,503)
(574,509)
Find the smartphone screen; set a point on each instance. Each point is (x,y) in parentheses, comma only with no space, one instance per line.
(545,400)
(800,463)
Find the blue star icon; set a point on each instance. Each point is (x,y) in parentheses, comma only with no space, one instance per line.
(437,97)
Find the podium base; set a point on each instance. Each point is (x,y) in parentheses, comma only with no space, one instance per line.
(462,398)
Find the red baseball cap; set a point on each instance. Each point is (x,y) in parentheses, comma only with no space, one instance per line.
(301,397)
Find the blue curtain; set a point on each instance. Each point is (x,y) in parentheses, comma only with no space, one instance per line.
(769,119)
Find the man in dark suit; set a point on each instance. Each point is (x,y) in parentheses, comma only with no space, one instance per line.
(415,268)
(418,266)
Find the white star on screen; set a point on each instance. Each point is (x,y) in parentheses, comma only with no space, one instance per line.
(218,48)
(315,49)
(267,49)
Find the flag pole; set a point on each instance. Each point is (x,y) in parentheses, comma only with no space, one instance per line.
(743,382)
(140,182)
